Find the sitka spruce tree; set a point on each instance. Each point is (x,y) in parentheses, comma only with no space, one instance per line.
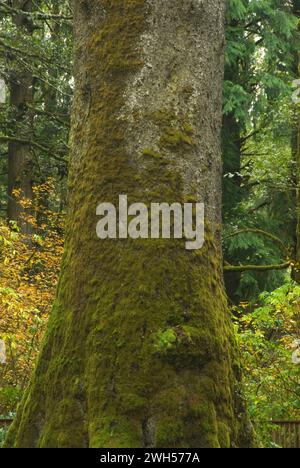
(139,350)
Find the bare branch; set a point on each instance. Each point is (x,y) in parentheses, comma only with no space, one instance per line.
(44,149)
(33,15)
(241,268)
(261,232)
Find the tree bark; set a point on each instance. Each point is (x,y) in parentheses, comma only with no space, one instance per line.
(20,165)
(140,350)
(295,148)
(296,268)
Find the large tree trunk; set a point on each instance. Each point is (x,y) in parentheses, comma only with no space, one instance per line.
(139,350)
(20,165)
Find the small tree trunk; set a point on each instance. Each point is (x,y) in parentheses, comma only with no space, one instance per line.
(20,165)
(140,350)
(296,159)
(296,269)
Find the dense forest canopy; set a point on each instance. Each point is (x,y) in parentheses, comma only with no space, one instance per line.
(45,176)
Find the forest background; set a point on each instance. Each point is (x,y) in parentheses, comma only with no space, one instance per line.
(261,166)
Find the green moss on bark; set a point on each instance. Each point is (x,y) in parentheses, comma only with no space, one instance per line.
(138,350)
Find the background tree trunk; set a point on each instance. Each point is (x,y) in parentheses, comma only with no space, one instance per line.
(295,147)
(139,351)
(20,164)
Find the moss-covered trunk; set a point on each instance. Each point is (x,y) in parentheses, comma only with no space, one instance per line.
(139,351)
